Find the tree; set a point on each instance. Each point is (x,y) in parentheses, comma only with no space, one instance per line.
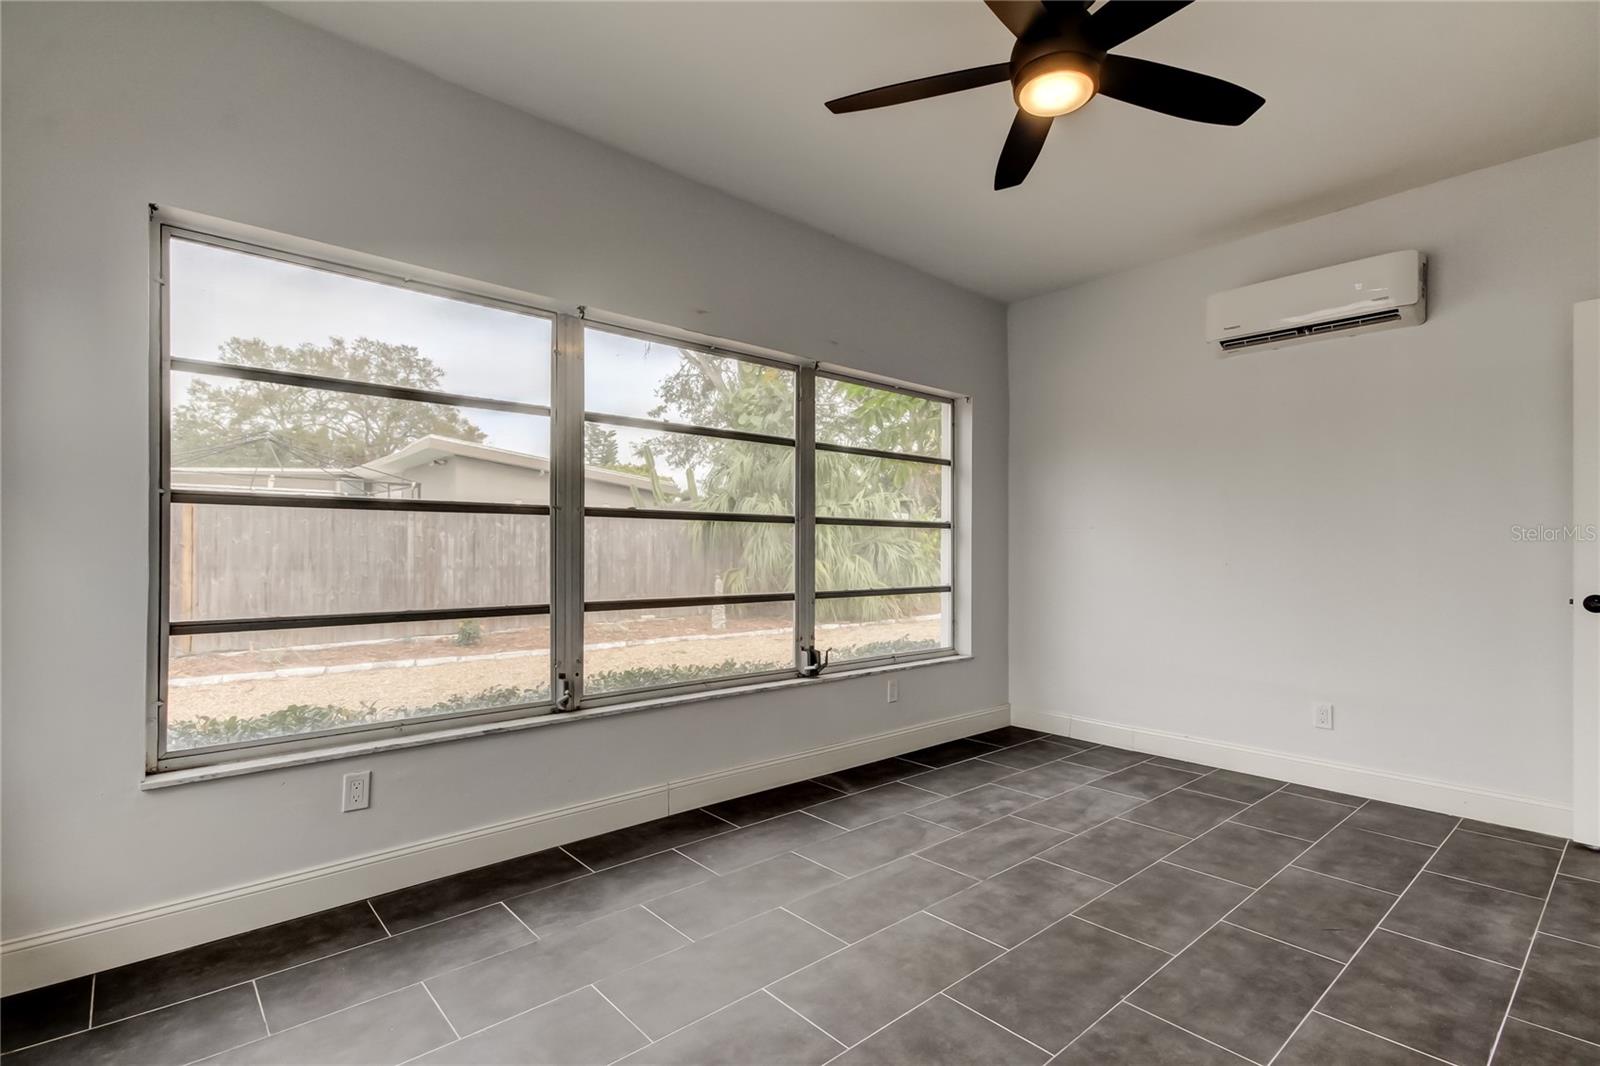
(249,423)
(599,446)
(708,390)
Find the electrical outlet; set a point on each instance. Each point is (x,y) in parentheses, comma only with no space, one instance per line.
(1322,715)
(893,695)
(357,794)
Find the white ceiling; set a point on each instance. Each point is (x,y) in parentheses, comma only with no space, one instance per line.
(1363,99)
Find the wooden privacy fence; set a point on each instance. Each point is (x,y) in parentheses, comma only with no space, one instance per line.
(253,562)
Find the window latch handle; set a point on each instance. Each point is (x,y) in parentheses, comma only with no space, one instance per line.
(813,664)
(566,693)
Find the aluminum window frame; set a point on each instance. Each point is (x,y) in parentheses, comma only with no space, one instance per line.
(159,756)
(794,520)
(566,512)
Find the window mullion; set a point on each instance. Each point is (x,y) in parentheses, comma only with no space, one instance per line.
(805,513)
(566,451)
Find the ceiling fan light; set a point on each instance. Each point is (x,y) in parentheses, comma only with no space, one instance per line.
(1056,92)
(1056,83)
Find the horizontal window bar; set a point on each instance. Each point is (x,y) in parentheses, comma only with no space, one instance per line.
(708,347)
(892,523)
(360,388)
(353,618)
(878,453)
(681,427)
(353,503)
(903,390)
(685,515)
(912,590)
(662,602)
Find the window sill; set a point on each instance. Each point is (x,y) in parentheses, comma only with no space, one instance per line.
(268,763)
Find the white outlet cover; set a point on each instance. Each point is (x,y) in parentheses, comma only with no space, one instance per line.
(356,794)
(1322,715)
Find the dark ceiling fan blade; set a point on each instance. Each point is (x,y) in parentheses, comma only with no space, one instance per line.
(1022,148)
(1177,92)
(1018,15)
(1121,20)
(921,88)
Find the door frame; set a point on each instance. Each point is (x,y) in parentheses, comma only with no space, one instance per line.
(1585,572)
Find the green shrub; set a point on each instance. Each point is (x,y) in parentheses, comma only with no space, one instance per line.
(299,718)
(469,633)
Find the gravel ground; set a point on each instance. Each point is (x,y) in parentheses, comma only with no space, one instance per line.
(422,685)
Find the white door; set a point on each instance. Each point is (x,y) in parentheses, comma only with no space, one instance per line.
(1586,573)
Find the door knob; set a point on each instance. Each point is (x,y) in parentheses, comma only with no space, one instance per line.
(1591,603)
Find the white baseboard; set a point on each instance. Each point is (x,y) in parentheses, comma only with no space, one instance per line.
(72,951)
(1522,812)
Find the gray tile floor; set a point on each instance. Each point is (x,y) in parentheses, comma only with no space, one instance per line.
(1007,898)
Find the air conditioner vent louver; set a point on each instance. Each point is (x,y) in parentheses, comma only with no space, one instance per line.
(1279,335)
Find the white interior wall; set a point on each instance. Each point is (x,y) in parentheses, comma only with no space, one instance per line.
(238,112)
(1207,547)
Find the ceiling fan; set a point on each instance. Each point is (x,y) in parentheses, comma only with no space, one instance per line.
(1059,63)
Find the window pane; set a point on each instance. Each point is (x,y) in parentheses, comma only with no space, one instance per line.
(231,687)
(863,417)
(628,650)
(878,557)
(627,467)
(652,558)
(650,379)
(254,562)
(859,486)
(234,307)
(865,627)
(246,436)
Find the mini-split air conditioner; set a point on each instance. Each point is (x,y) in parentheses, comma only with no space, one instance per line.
(1380,292)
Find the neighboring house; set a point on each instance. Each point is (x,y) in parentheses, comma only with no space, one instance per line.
(431,468)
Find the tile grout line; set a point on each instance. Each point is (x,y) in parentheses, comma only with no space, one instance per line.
(1526,955)
(563,849)
(373,907)
(1276,940)
(797,1014)
(1447,947)
(785,909)
(691,858)
(964,929)
(1513,840)
(94,980)
(1164,861)
(985,1017)
(1127,997)
(1380,1036)
(644,907)
(1315,1007)
(261,1007)
(1480,884)
(1115,932)
(1295,864)
(595,985)
(1175,1025)
(520,922)
(1569,940)
(1403,840)
(440,1009)
(1558,1032)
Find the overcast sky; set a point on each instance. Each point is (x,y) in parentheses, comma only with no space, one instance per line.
(483,351)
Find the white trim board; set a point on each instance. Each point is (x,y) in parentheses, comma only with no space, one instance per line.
(72,951)
(1501,808)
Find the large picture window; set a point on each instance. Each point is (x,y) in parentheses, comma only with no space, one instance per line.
(385,507)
